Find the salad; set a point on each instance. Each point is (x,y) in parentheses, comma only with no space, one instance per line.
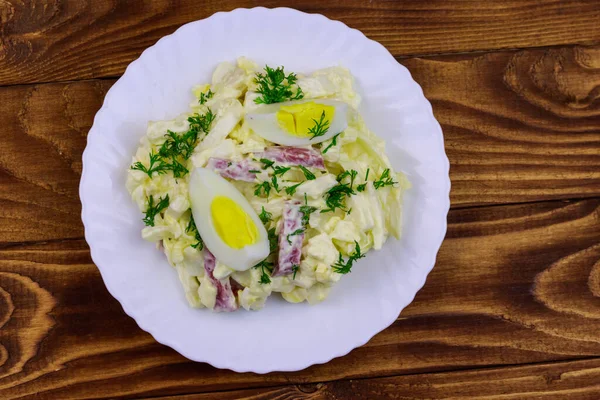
(270,183)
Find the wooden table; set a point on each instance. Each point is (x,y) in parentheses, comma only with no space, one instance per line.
(512,308)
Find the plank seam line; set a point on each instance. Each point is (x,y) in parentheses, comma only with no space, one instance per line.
(398,58)
(442,371)
(569,200)
(6,246)
(591,43)
(62,82)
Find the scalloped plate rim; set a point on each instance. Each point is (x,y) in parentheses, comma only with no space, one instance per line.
(445,203)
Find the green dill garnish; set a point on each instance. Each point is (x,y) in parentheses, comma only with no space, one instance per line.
(274,86)
(266,163)
(191,228)
(280,171)
(343,267)
(363,186)
(264,187)
(336,197)
(155,209)
(177,148)
(295,269)
(254,171)
(273,239)
(384,180)
(265,216)
(275,183)
(179,145)
(205,96)
(333,143)
(309,175)
(306,211)
(202,122)
(178,168)
(298,231)
(351,173)
(290,190)
(264,265)
(320,128)
(156,165)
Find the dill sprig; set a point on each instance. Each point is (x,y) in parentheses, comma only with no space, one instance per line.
(352,173)
(152,210)
(306,210)
(202,122)
(280,171)
(363,186)
(333,143)
(274,86)
(156,165)
(336,197)
(290,190)
(177,167)
(191,228)
(320,128)
(343,267)
(295,269)
(265,265)
(309,175)
(384,180)
(205,96)
(177,148)
(298,231)
(266,163)
(265,216)
(273,239)
(275,184)
(264,187)
(179,145)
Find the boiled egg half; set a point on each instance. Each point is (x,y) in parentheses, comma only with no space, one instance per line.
(227,223)
(294,123)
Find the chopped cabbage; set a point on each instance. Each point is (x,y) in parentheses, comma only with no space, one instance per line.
(366,217)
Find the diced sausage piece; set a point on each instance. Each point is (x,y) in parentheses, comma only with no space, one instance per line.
(293,156)
(225,298)
(237,170)
(291,236)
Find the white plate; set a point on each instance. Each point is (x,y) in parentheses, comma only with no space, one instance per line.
(282,336)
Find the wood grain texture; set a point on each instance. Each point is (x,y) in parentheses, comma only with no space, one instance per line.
(513,284)
(574,380)
(44,130)
(51,40)
(519,127)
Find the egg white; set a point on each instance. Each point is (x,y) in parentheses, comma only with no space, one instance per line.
(204,186)
(263,122)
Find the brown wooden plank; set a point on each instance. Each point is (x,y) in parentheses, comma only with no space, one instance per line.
(519,126)
(533,139)
(574,380)
(68,39)
(513,284)
(44,130)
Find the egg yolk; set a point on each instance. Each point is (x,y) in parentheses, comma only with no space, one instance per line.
(297,119)
(233,225)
